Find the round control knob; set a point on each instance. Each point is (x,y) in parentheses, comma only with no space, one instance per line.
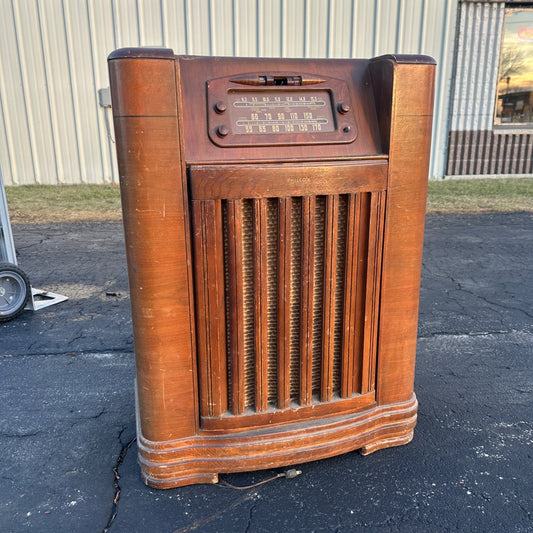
(220,107)
(222,131)
(344,108)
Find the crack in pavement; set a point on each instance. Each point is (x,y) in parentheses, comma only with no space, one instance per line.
(460,287)
(249,525)
(122,455)
(81,419)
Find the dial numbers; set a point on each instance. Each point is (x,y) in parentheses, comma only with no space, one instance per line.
(270,112)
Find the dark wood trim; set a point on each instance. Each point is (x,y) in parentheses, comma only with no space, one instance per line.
(275,181)
(201,458)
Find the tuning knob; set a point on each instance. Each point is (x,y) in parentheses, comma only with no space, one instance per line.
(222,131)
(220,107)
(344,108)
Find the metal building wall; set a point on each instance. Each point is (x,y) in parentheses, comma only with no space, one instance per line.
(475,146)
(53,62)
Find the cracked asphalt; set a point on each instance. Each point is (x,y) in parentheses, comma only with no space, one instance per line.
(67,422)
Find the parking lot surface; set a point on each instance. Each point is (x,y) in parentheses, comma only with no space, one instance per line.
(67,424)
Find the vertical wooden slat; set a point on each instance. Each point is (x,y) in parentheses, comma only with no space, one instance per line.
(373,281)
(210,307)
(284,295)
(378,262)
(307,296)
(328,322)
(236,304)
(359,368)
(349,341)
(261,309)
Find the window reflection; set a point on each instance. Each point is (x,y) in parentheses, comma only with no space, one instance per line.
(514,103)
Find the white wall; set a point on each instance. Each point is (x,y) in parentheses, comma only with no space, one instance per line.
(53,61)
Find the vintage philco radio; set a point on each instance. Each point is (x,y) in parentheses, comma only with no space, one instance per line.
(273,213)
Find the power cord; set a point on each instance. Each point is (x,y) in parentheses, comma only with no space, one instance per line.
(289,474)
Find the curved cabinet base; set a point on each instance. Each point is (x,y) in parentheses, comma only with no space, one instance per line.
(199,459)
(383,443)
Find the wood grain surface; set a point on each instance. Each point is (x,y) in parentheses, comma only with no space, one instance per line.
(274,285)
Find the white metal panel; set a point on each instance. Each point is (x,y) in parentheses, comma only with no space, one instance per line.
(103,39)
(198,27)
(339,31)
(245,28)
(442,49)
(223,27)
(35,92)
(53,62)
(149,14)
(386,24)
(126,23)
(316,37)
(293,29)
(477,66)
(363,24)
(58,65)
(84,91)
(175,27)
(16,160)
(270,28)
(411,17)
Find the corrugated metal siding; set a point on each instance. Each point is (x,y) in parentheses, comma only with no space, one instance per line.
(488,153)
(477,57)
(475,147)
(53,62)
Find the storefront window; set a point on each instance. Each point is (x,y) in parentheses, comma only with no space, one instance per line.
(514,105)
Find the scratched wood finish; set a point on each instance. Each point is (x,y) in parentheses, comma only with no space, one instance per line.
(409,140)
(274,290)
(155,213)
(288,179)
(202,457)
(210,295)
(196,71)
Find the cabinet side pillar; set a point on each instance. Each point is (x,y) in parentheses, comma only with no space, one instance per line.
(143,88)
(403,88)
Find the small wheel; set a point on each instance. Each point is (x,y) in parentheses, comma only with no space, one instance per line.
(14,291)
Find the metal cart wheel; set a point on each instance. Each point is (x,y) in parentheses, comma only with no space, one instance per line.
(14,291)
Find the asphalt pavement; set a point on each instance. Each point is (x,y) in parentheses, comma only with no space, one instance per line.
(67,416)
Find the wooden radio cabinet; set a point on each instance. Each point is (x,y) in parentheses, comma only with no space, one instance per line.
(273,213)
